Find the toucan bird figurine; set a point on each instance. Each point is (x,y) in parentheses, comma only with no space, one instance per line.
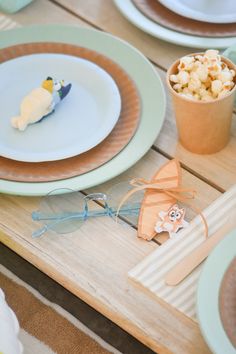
(40,102)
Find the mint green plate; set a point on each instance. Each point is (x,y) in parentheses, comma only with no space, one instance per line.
(130,11)
(145,77)
(208,295)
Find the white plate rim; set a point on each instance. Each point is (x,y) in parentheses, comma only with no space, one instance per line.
(184,11)
(128,9)
(75,150)
(208,306)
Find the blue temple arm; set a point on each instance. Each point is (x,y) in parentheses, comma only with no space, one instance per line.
(59,218)
(129,210)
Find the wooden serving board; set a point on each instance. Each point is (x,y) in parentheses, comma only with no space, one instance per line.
(150,273)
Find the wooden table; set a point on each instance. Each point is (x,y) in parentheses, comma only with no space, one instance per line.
(93,262)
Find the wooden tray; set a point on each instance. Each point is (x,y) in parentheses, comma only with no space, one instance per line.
(164,17)
(99,155)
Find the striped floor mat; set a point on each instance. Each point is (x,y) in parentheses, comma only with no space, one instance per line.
(46,328)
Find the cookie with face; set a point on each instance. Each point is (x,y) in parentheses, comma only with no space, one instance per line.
(171,220)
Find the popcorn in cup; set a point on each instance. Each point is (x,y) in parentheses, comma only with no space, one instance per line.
(203,87)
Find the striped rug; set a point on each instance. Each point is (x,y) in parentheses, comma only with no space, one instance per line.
(46,328)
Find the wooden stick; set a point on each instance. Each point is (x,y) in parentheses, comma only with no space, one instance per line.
(193,259)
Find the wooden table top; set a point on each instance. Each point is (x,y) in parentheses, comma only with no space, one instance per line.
(93,262)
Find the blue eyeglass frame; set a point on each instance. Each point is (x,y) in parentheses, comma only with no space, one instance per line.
(85,214)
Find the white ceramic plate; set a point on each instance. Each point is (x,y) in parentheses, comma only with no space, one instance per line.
(81,121)
(208,295)
(214,11)
(130,11)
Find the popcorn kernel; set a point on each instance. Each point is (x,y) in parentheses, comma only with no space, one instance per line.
(203,77)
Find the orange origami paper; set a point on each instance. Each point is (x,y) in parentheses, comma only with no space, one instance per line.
(154,201)
(162,192)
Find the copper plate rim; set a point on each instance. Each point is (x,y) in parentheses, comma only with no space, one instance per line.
(161,15)
(227,302)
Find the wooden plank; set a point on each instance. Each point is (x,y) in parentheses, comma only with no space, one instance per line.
(147,167)
(105,15)
(93,264)
(45,12)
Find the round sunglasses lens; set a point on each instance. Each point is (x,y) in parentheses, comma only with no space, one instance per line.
(60,210)
(129,210)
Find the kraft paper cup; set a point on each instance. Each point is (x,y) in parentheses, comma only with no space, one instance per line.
(203,127)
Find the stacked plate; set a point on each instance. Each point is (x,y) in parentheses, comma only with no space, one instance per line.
(108,121)
(216,298)
(198,24)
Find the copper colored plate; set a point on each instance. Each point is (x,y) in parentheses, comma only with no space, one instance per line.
(106,150)
(164,17)
(227,302)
